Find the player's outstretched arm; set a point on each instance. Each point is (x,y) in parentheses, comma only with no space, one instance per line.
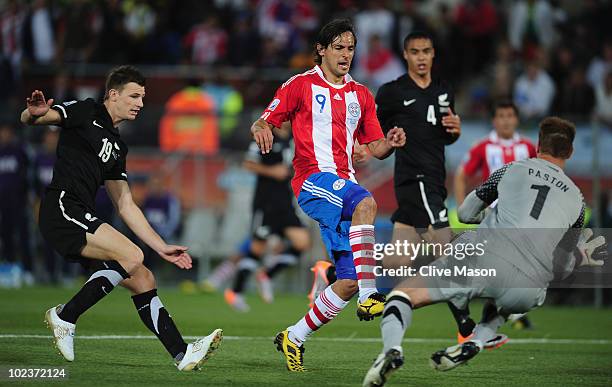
(262,134)
(38,111)
(121,196)
(384,147)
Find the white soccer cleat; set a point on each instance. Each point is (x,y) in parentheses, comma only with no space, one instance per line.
(384,365)
(63,333)
(200,351)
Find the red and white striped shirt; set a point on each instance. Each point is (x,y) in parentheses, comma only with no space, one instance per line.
(325,119)
(493,153)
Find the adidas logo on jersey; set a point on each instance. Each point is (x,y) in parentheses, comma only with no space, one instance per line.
(337,97)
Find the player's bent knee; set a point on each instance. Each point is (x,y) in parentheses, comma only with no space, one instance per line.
(357,200)
(133,259)
(347,288)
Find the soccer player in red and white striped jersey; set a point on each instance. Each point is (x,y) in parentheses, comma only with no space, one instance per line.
(328,111)
(504,145)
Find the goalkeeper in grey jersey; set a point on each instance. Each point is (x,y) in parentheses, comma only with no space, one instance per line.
(532,236)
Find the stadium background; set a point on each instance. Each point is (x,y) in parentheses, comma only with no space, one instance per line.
(228,57)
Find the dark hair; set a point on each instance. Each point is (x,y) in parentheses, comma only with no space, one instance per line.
(556,137)
(121,76)
(331,31)
(417,35)
(504,104)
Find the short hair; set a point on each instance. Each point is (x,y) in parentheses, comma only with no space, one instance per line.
(417,35)
(331,31)
(556,137)
(503,104)
(120,76)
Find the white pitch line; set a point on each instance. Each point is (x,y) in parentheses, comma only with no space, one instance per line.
(332,339)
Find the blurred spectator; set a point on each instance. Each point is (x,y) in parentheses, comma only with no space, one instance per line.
(379,65)
(304,55)
(406,21)
(207,42)
(38,34)
(163,211)
(603,100)
(502,73)
(376,19)
(139,22)
(563,63)
(477,23)
(79,27)
(63,89)
(244,42)
(600,66)
(11,24)
(44,161)
(139,19)
(534,91)
(14,219)
(575,97)
(531,22)
(111,40)
(228,104)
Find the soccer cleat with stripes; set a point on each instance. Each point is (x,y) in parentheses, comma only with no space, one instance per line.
(372,307)
(384,365)
(63,333)
(200,351)
(454,356)
(294,354)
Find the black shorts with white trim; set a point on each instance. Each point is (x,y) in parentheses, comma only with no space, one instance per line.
(64,221)
(421,204)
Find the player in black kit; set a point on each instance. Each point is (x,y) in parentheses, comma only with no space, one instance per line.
(273,214)
(90,152)
(425,106)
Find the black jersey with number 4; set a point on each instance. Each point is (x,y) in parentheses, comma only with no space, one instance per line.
(419,111)
(89,150)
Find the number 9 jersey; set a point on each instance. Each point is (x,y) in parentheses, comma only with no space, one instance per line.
(89,150)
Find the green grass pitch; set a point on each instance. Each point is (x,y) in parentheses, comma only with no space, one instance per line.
(576,350)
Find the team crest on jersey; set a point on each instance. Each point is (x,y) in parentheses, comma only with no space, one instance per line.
(273,104)
(354,109)
(338,184)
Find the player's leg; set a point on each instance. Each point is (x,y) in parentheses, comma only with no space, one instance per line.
(121,257)
(284,222)
(397,318)
(156,318)
(226,269)
(325,308)
(298,240)
(245,268)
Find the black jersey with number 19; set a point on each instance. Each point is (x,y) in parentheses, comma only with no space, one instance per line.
(419,111)
(89,150)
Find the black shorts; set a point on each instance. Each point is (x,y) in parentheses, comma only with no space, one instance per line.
(268,221)
(421,204)
(64,221)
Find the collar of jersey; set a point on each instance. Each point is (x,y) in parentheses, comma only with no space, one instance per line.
(347,78)
(106,118)
(505,142)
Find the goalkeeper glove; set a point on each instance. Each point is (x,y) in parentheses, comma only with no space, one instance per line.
(592,252)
